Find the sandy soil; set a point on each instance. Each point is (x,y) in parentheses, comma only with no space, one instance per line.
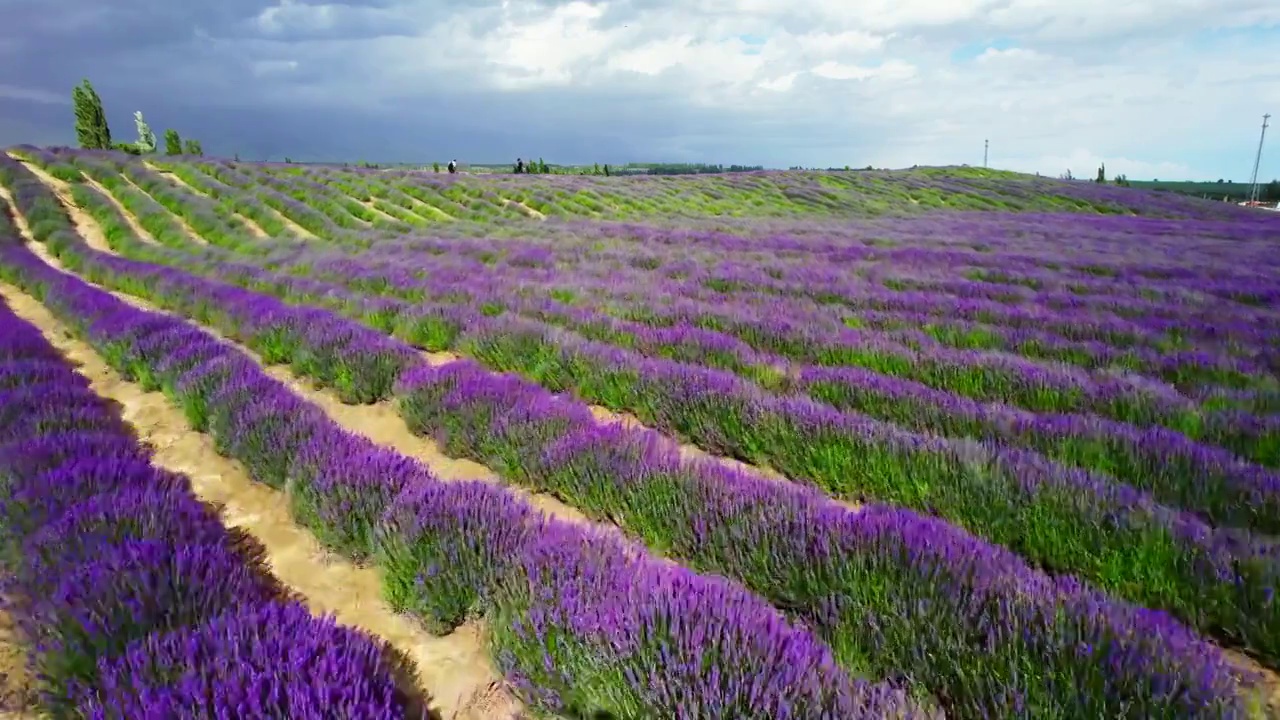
(17,687)
(191,233)
(85,225)
(536,214)
(294,227)
(250,226)
(455,670)
(429,211)
(84,218)
(381,422)
(378,211)
(688,451)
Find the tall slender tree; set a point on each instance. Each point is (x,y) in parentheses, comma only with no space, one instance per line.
(92,131)
(146,139)
(172,142)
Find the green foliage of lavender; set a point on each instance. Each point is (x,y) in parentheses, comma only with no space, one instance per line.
(105,554)
(1014,498)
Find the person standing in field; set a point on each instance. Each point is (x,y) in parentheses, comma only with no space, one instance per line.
(519,166)
(453,166)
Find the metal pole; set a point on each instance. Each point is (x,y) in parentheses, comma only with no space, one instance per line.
(985,145)
(1257,161)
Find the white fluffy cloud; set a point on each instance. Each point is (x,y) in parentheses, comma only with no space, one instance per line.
(1164,88)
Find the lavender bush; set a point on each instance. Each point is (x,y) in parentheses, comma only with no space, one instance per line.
(1067,520)
(243,412)
(104,553)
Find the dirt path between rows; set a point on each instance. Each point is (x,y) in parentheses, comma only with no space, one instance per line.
(189,231)
(379,212)
(432,212)
(379,422)
(85,224)
(528,211)
(290,223)
(250,226)
(409,444)
(18,689)
(455,669)
(688,451)
(87,227)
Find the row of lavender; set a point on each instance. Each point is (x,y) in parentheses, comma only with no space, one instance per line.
(582,623)
(845,194)
(304,191)
(303,186)
(1185,367)
(1129,454)
(979,299)
(804,337)
(1200,359)
(892,262)
(1154,459)
(1190,368)
(1217,578)
(1241,342)
(132,597)
(1057,260)
(981,603)
(1253,437)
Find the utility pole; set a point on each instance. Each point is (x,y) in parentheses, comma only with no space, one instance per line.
(985,144)
(1257,161)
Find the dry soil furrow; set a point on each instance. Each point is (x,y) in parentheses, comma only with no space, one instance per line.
(191,233)
(380,422)
(293,226)
(250,226)
(688,451)
(84,222)
(288,222)
(429,211)
(377,211)
(18,688)
(454,669)
(544,502)
(62,190)
(528,211)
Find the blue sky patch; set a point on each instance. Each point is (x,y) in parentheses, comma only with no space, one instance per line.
(970,51)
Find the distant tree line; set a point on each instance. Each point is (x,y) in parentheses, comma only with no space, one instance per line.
(692,168)
(1220,190)
(93,132)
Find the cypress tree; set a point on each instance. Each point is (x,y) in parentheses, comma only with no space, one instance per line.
(172,142)
(146,139)
(92,131)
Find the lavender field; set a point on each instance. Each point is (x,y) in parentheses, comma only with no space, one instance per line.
(944,442)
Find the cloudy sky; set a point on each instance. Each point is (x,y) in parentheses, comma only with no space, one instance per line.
(1155,88)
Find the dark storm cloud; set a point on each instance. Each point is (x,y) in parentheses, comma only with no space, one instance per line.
(299,80)
(421,80)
